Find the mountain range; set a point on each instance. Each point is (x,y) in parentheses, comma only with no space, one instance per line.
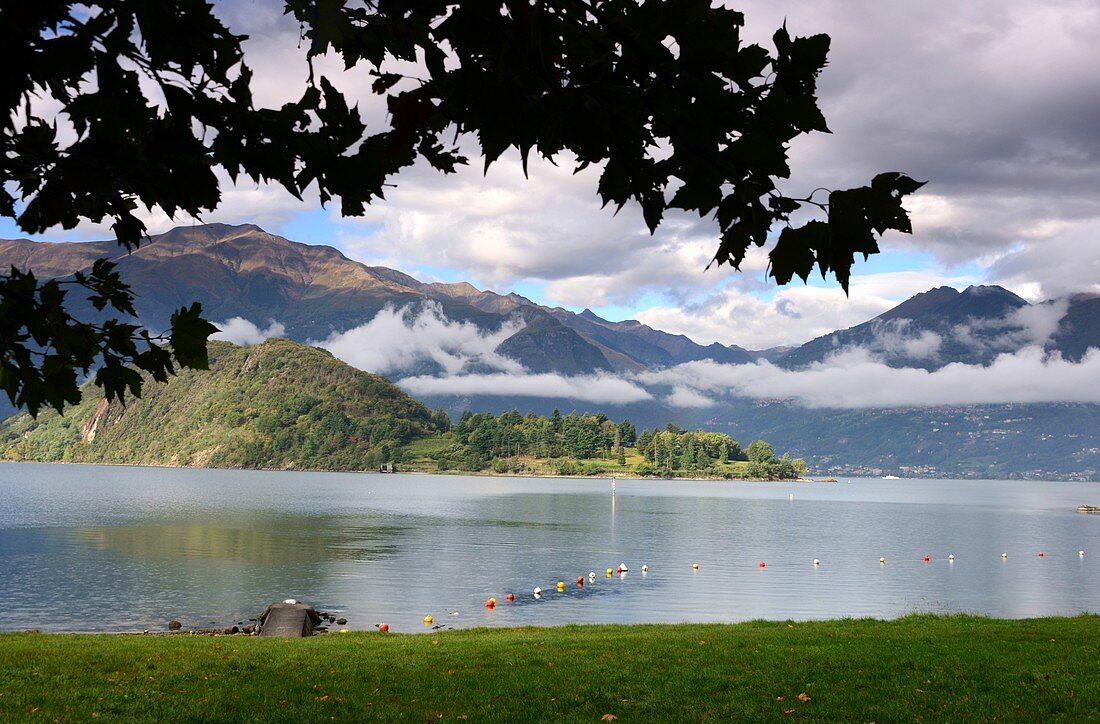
(973,326)
(315,291)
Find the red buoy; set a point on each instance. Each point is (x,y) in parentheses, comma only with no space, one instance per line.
(1041,554)
(927,558)
(580,580)
(510,597)
(491,603)
(761,564)
(383,627)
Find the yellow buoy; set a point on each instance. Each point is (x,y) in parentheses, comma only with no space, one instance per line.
(882,559)
(428,620)
(695,566)
(1004,555)
(561,585)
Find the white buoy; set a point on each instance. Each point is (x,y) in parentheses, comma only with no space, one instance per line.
(817,562)
(951,557)
(790,496)
(537,591)
(645,568)
(622,567)
(1080,554)
(592,576)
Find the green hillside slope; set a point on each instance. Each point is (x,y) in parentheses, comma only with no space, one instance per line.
(275,405)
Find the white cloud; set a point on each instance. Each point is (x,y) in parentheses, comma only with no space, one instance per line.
(686,397)
(1032,325)
(239,330)
(598,389)
(857,379)
(396,339)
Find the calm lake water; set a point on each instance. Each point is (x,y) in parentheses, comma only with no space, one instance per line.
(88,548)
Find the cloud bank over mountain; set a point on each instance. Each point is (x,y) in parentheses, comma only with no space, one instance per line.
(857,379)
(602,389)
(397,339)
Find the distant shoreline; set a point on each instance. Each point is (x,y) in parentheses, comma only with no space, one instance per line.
(467,473)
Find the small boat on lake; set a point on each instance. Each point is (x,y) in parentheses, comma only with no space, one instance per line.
(1088,508)
(890,477)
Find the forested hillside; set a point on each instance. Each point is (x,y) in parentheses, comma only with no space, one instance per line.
(275,405)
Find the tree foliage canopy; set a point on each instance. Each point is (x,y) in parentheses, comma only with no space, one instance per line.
(154,98)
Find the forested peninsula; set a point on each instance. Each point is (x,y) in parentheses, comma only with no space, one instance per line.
(283,405)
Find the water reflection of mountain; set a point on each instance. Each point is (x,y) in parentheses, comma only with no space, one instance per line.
(256,540)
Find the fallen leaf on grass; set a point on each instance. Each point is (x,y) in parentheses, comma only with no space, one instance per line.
(780,698)
(788,712)
(608,717)
(803,697)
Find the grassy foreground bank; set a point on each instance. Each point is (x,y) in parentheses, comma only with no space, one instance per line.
(944,668)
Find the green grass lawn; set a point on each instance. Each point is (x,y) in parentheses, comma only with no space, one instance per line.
(955,668)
